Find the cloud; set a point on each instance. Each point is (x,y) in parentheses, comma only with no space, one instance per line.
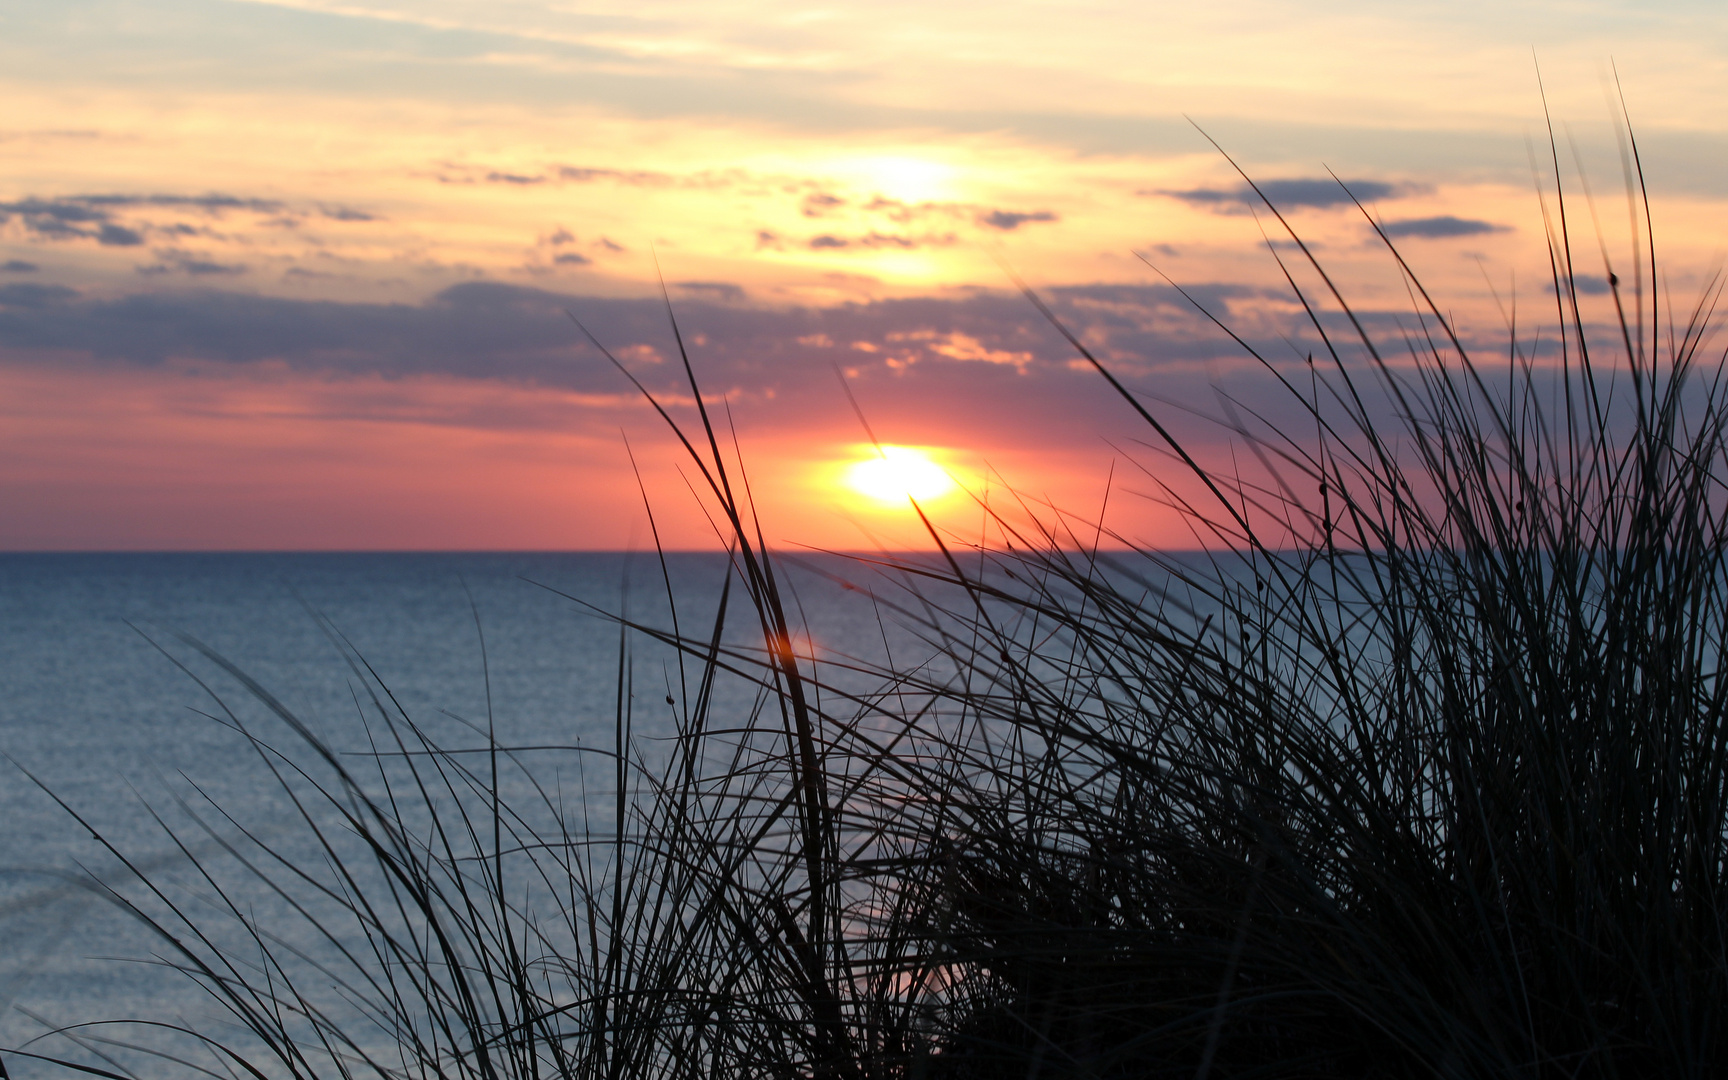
(571,258)
(720,291)
(824,204)
(49,228)
(980,362)
(1587,284)
(819,203)
(91,217)
(57,219)
(30,296)
(214,202)
(170,261)
(1314,192)
(1327,192)
(1433,228)
(974,366)
(65,211)
(18,266)
(492,330)
(873,240)
(111,235)
(1007,220)
(882,240)
(204,266)
(963,347)
(582,175)
(346,213)
(903,212)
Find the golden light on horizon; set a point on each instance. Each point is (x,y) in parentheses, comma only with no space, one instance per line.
(897,473)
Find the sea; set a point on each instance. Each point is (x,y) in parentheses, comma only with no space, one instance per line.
(124,678)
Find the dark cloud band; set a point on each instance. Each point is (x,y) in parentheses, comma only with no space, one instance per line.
(1315,192)
(1437,228)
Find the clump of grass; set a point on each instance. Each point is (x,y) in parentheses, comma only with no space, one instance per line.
(1419,769)
(1423,772)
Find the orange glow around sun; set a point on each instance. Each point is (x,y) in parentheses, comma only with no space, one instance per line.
(894,474)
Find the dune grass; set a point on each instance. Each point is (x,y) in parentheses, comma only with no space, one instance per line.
(1419,769)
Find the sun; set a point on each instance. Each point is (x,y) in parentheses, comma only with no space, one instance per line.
(908,179)
(898,473)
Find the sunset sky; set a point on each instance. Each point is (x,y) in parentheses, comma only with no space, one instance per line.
(294,274)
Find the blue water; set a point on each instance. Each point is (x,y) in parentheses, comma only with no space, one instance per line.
(97,711)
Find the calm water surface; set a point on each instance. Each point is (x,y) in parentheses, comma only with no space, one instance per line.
(94,708)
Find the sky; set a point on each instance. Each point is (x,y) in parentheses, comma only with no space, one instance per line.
(306,274)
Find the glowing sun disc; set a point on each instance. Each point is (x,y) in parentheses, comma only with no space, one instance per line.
(899,473)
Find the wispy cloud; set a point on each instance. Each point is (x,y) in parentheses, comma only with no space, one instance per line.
(453,173)
(346,213)
(56,219)
(721,291)
(1441,227)
(1312,192)
(873,241)
(210,203)
(93,217)
(576,174)
(173,261)
(878,217)
(1008,220)
(819,203)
